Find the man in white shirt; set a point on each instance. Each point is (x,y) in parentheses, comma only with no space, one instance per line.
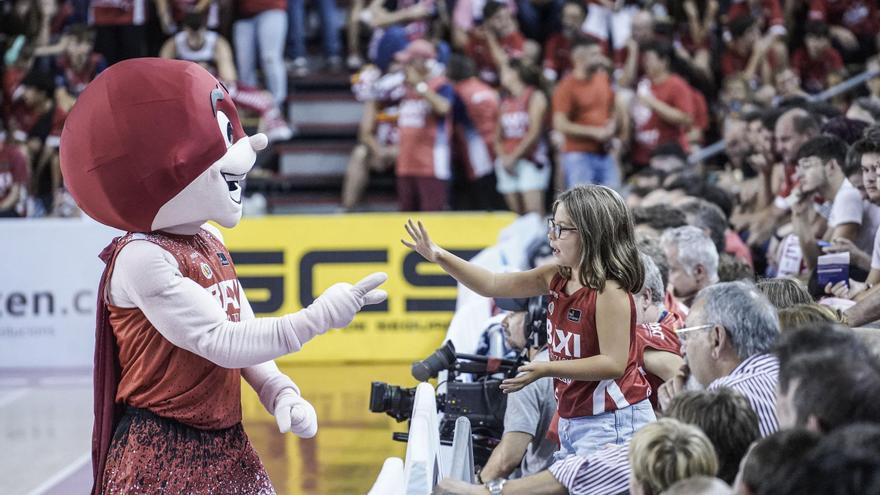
(820,174)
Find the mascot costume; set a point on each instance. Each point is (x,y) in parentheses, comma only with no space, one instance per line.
(155,148)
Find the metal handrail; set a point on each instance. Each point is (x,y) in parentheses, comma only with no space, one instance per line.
(836,90)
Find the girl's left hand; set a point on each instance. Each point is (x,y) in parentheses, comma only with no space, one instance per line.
(528,373)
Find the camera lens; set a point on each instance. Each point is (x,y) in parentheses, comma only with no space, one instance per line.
(440,360)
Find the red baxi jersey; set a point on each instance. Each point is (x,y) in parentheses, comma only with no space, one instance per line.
(423,135)
(659,336)
(515,125)
(571,334)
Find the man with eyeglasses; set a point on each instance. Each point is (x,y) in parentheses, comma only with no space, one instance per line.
(730,331)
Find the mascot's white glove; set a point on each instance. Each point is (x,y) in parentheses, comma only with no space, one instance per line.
(295,414)
(337,306)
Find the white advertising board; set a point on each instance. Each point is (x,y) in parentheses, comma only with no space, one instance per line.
(49,271)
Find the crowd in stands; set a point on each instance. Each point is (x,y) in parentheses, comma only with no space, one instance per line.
(521,98)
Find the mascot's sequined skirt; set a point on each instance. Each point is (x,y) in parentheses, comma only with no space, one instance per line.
(154,455)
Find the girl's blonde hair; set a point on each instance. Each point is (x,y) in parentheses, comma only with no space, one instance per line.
(801,315)
(605,226)
(667,451)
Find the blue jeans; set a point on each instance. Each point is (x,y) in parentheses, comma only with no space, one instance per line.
(263,35)
(538,22)
(590,168)
(588,434)
(296,35)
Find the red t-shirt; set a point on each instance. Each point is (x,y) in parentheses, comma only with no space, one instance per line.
(571,334)
(658,336)
(587,102)
(651,130)
(424,136)
(862,17)
(13,169)
(814,72)
(477,49)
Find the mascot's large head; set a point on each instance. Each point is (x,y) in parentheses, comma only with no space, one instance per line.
(155,144)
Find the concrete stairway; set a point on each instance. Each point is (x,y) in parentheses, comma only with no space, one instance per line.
(311,166)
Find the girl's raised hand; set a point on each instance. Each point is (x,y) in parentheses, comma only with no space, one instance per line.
(421,244)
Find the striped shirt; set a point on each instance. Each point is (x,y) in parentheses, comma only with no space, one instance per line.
(605,472)
(756,379)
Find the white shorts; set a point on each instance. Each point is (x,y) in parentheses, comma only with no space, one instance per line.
(529,177)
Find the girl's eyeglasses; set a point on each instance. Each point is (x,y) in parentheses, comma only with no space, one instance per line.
(557,229)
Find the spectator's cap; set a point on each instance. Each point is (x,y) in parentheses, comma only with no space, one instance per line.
(512,303)
(139,134)
(416,49)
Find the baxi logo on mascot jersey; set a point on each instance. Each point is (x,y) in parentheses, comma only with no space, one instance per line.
(227,293)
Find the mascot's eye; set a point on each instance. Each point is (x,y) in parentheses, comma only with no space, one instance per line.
(225,128)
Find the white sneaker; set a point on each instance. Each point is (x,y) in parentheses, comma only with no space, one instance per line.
(278,130)
(354,62)
(299,67)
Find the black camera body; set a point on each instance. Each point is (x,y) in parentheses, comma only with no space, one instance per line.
(482,401)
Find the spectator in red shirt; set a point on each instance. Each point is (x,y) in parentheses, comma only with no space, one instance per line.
(583,112)
(13,179)
(817,63)
(557,49)
(663,112)
(378,135)
(494,43)
(475,122)
(748,52)
(423,165)
(523,164)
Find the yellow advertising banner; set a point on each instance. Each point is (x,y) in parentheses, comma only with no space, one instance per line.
(285,262)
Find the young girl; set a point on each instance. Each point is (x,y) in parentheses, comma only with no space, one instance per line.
(523,165)
(602,398)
